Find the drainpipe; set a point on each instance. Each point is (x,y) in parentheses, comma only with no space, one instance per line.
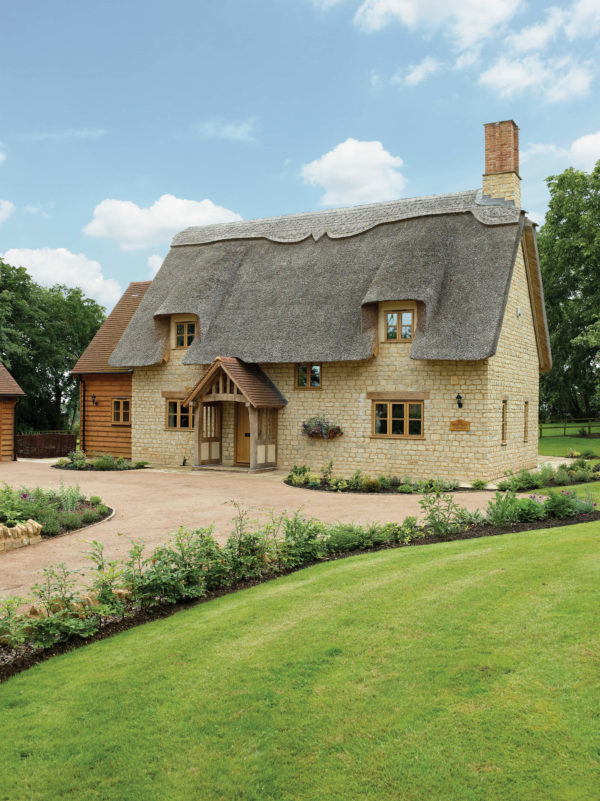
(82,416)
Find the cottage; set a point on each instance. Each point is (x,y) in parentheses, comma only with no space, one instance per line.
(10,392)
(416,325)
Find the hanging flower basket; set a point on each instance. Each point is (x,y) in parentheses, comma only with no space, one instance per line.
(320,428)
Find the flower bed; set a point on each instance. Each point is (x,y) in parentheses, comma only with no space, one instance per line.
(192,566)
(77,460)
(57,511)
(578,472)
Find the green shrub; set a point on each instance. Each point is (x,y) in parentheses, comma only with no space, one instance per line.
(503,510)
(563,477)
(103,510)
(561,504)
(63,462)
(104,462)
(327,472)
(574,454)
(441,515)
(385,482)
(395,482)
(301,543)
(371,485)
(313,480)
(355,481)
(578,464)
(14,626)
(69,520)
(589,454)
(338,484)
(342,538)
(51,527)
(530,509)
(596,468)
(479,484)
(546,474)
(139,465)
(405,489)
(297,480)
(95,500)
(90,516)
(582,475)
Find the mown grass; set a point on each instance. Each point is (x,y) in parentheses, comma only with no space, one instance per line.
(560,446)
(467,670)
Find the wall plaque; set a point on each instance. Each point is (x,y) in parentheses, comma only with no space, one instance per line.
(460,425)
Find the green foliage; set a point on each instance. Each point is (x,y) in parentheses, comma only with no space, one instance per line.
(90,516)
(479,484)
(371,485)
(406,489)
(95,500)
(103,509)
(385,482)
(338,484)
(327,472)
(245,550)
(69,520)
(441,515)
(569,247)
(14,627)
(105,462)
(301,543)
(355,481)
(43,331)
(313,480)
(503,510)
(297,480)
(589,454)
(561,504)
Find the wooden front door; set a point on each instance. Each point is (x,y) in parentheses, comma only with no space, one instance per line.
(242,434)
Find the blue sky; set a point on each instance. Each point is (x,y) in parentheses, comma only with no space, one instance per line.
(124,122)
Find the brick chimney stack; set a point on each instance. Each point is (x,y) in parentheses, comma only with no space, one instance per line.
(501,177)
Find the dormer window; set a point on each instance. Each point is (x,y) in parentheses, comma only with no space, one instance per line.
(399,325)
(183,332)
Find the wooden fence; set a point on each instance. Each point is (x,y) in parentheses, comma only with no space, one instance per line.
(45,445)
(572,428)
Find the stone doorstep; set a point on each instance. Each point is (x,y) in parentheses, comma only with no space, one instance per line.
(20,535)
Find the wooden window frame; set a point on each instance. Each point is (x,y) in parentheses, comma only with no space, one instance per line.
(185,322)
(407,403)
(504,422)
(399,311)
(526,421)
(118,403)
(178,427)
(309,366)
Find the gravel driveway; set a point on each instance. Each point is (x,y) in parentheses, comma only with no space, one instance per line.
(150,504)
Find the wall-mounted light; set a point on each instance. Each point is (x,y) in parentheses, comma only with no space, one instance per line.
(94,403)
(459,401)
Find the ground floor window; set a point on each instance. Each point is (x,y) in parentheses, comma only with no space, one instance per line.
(178,416)
(121,411)
(398,418)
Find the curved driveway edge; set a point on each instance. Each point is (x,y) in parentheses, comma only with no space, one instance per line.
(151,504)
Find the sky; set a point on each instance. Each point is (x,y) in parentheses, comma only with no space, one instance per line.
(122,123)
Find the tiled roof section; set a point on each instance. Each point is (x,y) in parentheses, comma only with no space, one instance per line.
(344,222)
(8,385)
(95,357)
(252,382)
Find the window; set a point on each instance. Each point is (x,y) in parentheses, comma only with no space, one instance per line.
(399,325)
(308,375)
(185,331)
(398,419)
(121,411)
(504,420)
(178,416)
(526,421)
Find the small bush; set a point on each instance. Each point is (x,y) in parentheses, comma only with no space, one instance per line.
(503,510)
(355,481)
(441,515)
(371,485)
(338,484)
(582,475)
(385,482)
(90,516)
(139,465)
(588,454)
(297,480)
(578,464)
(530,509)
(342,538)
(51,527)
(103,510)
(63,462)
(313,480)
(574,454)
(479,484)
(596,468)
(561,504)
(406,489)
(104,462)
(95,500)
(327,472)
(562,477)
(395,482)
(69,520)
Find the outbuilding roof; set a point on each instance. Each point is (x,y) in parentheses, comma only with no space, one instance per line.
(304,287)
(255,386)
(94,359)
(8,385)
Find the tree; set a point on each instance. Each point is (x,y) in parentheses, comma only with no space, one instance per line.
(42,334)
(569,247)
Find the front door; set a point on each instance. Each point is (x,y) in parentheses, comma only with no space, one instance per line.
(242,434)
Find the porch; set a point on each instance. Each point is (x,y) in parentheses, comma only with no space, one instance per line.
(235,409)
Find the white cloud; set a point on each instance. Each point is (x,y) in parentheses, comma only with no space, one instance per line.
(215,128)
(539,35)
(67,133)
(583,19)
(467,22)
(585,151)
(356,172)
(6,209)
(135,228)
(417,73)
(554,79)
(154,263)
(51,266)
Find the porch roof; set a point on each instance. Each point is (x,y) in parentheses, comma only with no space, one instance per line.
(251,381)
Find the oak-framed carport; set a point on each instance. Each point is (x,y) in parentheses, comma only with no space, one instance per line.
(231,380)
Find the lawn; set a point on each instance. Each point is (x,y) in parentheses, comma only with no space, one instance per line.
(466,670)
(560,446)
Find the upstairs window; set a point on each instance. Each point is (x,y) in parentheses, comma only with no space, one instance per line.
(185,331)
(399,325)
(121,411)
(308,375)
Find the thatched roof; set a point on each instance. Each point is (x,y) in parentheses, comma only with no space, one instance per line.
(301,287)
